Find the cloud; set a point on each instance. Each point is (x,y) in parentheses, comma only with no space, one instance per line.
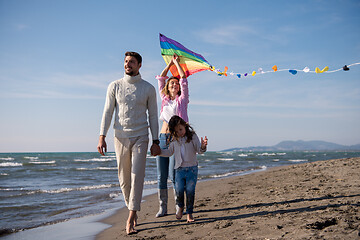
(226,35)
(21,27)
(274,104)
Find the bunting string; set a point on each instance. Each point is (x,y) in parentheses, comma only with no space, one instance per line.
(275,69)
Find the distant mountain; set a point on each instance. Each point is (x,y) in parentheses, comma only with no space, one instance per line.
(301,146)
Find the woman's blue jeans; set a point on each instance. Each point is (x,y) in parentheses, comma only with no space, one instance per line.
(185,181)
(165,165)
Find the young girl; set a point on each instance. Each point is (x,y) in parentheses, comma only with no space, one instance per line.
(174,95)
(184,146)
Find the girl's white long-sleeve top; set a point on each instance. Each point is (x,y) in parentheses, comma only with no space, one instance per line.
(188,158)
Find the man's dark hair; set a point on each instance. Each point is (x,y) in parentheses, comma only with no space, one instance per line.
(134,54)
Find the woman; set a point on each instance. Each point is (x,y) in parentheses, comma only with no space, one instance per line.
(174,101)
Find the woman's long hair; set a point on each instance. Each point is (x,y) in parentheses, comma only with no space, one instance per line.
(176,120)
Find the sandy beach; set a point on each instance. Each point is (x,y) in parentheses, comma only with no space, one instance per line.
(319,200)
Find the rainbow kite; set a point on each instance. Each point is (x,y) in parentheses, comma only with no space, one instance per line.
(190,61)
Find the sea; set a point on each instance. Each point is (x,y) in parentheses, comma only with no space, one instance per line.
(39,189)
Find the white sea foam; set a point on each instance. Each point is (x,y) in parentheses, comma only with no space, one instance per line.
(10,164)
(298,160)
(4,174)
(7,158)
(85,188)
(266,154)
(114,195)
(49,162)
(106,168)
(94,160)
(150,182)
(31,158)
(97,168)
(223,175)
(280,153)
(226,159)
(243,155)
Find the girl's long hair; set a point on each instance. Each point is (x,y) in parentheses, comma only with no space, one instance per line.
(176,120)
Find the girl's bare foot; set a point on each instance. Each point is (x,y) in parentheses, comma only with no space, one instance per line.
(179,213)
(190,218)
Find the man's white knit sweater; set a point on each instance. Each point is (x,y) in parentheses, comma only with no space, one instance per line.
(131,97)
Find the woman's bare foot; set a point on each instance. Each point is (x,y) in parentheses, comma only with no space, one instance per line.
(190,218)
(179,213)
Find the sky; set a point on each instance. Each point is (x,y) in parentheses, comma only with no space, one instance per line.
(58,57)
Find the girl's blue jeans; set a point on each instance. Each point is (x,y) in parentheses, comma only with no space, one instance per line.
(165,165)
(185,181)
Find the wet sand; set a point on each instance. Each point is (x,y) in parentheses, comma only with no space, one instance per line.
(319,200)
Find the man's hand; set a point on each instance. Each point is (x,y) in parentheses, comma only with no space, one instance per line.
(155,149)
(102,147)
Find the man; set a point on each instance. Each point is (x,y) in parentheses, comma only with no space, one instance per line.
(131,97)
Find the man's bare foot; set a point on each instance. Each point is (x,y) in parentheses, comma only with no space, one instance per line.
(135,220)
(190,218)
(179,213)
(131,223)
(130,228)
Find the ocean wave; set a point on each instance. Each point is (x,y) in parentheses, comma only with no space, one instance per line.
(4,174)
(97,168)
(114,195)
(237,172)
(36,162)
(266,154)
(7,158)
(243,155)
(297,160)
(10,164)
(281,154)
(225,159)
(31,158)
(224,175)
(85,188)
(94,160)
(150,182)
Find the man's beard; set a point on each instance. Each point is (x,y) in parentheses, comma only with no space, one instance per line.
(131,73)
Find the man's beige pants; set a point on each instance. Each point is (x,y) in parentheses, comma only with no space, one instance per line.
(131,161)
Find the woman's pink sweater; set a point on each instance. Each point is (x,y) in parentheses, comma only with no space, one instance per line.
(182,101)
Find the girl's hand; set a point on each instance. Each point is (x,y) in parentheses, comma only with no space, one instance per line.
(204,142)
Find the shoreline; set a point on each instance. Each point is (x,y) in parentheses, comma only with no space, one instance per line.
(59,230)
(318,199)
